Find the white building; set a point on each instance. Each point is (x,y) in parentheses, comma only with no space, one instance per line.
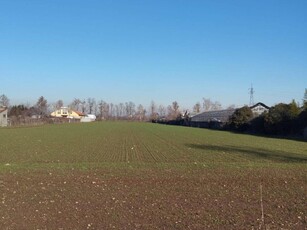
(3,117)
(259,108)
(88,118)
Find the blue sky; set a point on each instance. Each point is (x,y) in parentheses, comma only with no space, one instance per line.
(159,50)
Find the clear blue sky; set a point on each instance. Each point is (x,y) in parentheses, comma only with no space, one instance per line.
(161,50)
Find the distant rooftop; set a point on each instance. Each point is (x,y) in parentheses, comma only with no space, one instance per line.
(2,109)
(218,115)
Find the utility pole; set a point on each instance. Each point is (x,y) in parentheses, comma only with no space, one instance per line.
(251,93)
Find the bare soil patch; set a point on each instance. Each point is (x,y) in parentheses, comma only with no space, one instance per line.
(209,198)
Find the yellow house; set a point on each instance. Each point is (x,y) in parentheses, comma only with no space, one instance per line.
(67,113)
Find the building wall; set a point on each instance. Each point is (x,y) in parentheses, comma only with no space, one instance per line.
(65,112)
(3,118)
(259,110)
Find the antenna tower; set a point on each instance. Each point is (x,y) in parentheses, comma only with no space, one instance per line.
(251,93)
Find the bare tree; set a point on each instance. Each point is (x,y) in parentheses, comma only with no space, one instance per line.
(162,111)
(75,105)
(100,109)
(121,109)
(117,112)
(127,109)
(175,106)
(170,112)
(130,109)
(140,113)
(83,106)
(173,110)
(103,109)
(41,106)
(91,102)
(209,105)
(216,106)
(111,110)
(153,111)
(196,108)
(59,104)
(4,101)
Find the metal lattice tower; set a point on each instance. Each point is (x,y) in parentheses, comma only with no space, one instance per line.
(251,93)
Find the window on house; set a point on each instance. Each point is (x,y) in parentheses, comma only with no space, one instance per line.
(4,115)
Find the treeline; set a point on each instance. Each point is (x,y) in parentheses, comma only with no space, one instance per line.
(281,119)
(107,111)
(102,109)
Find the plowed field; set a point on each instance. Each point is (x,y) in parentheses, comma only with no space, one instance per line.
(124,175)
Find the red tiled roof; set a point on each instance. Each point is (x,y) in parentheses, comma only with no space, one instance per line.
(2,109)
(79,113)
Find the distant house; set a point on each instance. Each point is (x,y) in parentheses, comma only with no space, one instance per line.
(88,118)
(211,119)
(217,119)
(259,108)
(65,112)
(3,117)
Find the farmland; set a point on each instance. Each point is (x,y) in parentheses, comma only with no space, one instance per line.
(128,175)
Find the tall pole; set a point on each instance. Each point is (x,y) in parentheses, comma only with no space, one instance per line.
(251,93)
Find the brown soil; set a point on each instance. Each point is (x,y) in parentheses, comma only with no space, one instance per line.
(153,199)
